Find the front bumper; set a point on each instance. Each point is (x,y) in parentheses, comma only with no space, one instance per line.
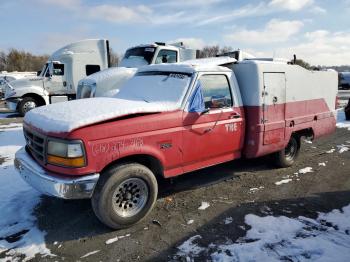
(53,184)
(11,103)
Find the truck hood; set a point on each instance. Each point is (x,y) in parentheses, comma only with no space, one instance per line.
(25,82)
(67,116)
(107,82)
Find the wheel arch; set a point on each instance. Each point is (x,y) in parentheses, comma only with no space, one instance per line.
(151,162)
(307,132)
(37,97)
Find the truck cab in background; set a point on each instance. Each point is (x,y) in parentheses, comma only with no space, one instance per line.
(58,79)
(344,80)
(108,82)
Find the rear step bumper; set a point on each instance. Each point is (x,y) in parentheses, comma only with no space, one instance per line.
(53,184)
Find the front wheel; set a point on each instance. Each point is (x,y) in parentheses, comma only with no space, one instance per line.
(27,103)
(287,156)
(124,195)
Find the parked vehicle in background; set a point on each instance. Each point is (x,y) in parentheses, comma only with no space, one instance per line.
(347,111)
(168,120)
(59,77)
(108,82)
(6,77)
(344,80)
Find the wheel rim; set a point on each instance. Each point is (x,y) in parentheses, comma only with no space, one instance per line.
(130,197)
(291,149)
(29,105)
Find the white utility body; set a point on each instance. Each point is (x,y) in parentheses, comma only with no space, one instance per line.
(59,77)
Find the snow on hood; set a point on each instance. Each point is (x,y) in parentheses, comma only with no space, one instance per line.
(25,82)
(67,116)
(133,62)
(109,74)
(109,81)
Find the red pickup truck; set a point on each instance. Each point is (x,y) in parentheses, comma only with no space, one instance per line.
(169,120)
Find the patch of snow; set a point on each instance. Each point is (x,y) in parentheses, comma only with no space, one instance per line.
(17,202)
(307,141)
(228,220)
(8,115)
(342,148)
(305,170)
(90,253)
(189,222)
(204,206)
(111,240)
(116,238)
(322,164)
(284,181)
(189,247)
(325,238)
(330,151)
(67,116)
(255,189)
(341,122)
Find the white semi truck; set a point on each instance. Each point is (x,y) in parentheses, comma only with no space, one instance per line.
(59,77)
(108,82)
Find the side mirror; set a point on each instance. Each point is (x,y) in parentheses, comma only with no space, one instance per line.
(38,73)
(218,101)
(50,71)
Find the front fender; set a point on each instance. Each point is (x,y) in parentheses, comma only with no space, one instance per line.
(38,90)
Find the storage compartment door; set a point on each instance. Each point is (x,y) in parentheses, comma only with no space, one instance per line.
(274,97)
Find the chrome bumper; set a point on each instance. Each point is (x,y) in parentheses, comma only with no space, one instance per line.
(51,183)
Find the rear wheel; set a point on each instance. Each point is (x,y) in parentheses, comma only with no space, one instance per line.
(27,104)
(124,195)
(287,156)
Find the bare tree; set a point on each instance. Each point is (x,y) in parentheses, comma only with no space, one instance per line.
(209,51)
(114,57)
(213,51)
(2,61)
(17,60)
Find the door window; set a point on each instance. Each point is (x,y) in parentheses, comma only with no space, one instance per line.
(216,91)
(90,69)
(58,69)
(166,56)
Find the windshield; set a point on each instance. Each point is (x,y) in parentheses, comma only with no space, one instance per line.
(156,87)
(44,70)
(138,56)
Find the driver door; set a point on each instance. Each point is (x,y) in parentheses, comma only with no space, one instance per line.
(214,136)
(54,83)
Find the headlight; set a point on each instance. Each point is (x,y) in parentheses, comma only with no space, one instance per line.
(65,153)
(9,91)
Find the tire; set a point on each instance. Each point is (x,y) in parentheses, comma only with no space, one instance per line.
(124,195)
(27,104)
(287,156)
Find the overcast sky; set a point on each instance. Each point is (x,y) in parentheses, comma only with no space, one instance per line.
(317,31)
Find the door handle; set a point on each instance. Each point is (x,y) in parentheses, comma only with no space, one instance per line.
(234,116)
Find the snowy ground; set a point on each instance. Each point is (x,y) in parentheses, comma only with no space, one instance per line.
(271,238)
(19,235)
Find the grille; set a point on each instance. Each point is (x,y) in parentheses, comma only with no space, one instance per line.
(36,144)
